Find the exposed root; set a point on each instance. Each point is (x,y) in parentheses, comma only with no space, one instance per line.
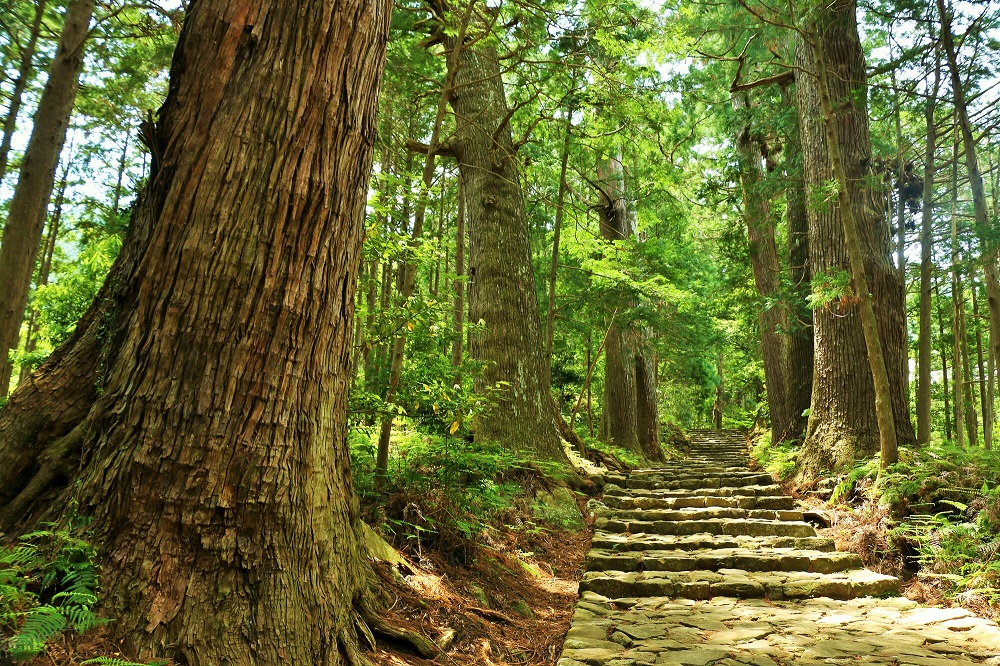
(348,643)
(424,646)
(57,461)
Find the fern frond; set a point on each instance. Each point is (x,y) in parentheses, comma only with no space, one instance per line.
(988,550)
(41,624)
(116,661)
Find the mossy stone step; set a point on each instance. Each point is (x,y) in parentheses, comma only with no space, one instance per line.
(724,526)
(739,584)
(701,475)
(694,483)
(619,542)
(770,490)
(703,513)
(714,559)
(739,502)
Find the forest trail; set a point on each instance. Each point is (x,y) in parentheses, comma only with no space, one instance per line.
(704,561)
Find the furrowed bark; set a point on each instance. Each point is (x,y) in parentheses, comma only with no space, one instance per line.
(213,457)
(843,426)
(766,270)
(501,276)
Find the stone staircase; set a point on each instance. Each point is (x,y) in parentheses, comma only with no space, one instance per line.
(707,562)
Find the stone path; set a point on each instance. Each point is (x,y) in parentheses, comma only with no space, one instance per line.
(706,562)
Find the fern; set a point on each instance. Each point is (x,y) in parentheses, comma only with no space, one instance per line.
(117,661)
(41,624)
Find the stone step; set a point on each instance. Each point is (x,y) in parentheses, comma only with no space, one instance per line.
(667,475)
(714,559)
(739,584)
(617,541)
(700,513)
(770,490)
(723,526)
(689,502)
(699,484)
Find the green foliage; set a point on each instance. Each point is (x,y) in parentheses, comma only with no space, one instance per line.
(777,459)
(48,584)
(117,661)
(624,456)
(439,490)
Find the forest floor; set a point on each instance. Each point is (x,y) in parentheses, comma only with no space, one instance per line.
(511,605)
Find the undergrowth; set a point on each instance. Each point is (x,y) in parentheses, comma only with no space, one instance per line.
(944,509)
(48,584)
(439,492)
(778,460)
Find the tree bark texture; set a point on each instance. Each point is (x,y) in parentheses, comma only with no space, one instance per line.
(799,354)
(205,392)
(501,276)
(766,268)
(843,426)
(26,219)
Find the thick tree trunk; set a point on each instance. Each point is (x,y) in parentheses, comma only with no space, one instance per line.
(990,249)
(800,325)
(501,275)
(24,72)
(619,419)
(766,270)
(217,358)
(843,425)
(26,219)
(926,261)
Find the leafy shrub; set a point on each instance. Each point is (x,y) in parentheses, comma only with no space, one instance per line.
(778,460)
(439,491)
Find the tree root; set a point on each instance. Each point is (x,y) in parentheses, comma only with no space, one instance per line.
(424,646)
(57,460)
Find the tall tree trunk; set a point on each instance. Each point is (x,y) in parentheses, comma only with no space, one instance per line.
(766,268)
(956,306)
(24,73)
(501,275)
(122,163)
(844,425)
(459,316)
(26,219)
(926,261)
(214,459)
(619,419)
(799,354)
(45,267)
(901,232)
(990,249)
(984,392)
(943,351)
(720,393)
(550,323)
